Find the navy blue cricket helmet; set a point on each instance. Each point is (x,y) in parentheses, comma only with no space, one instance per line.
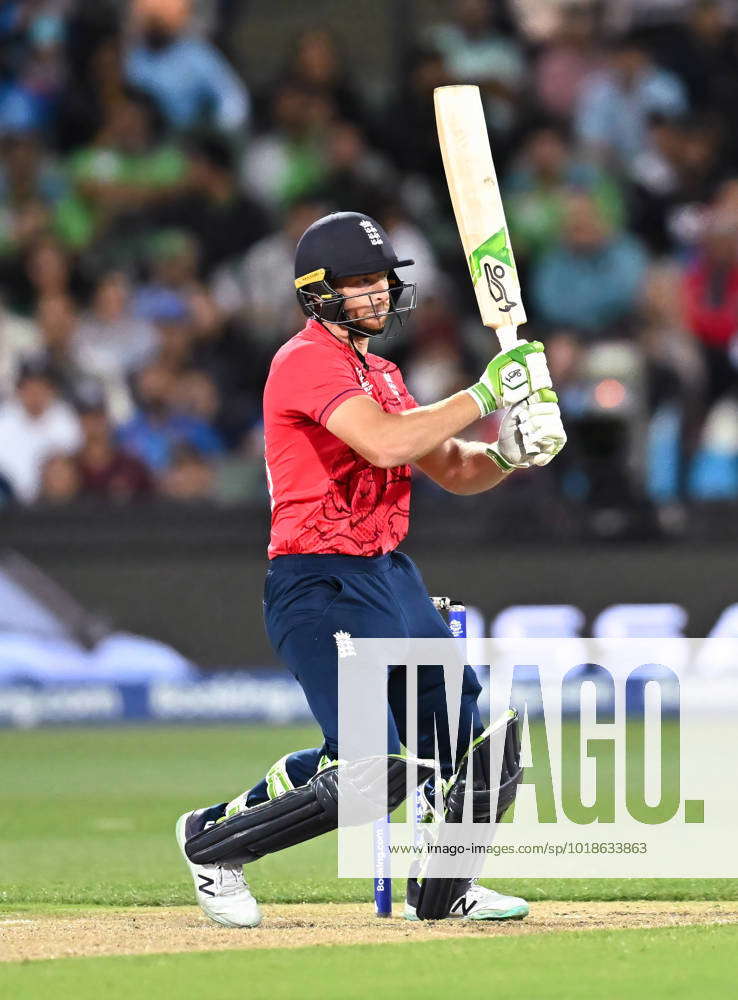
(344,245)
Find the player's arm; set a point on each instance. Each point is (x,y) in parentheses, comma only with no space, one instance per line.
(390,439)
(462,467)
(531,434)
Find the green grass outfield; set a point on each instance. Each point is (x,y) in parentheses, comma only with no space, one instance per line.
(88,816)
(688,963)
(87,820)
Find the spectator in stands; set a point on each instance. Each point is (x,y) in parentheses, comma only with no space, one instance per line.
(669,346)
(410,240)
(170,314)
(106,471)
(702,51)
(435,371)
(30,190)
(173,266)
(157,428)
(410,136)
(189,477)
(539,183)
(60,481)
(567,59)
(34,424)
(317,67)
(224,221)
(676,383)
(244,288)
(31,41)
(189,78)
(288,161)
(710,295)
(56,321)
(590,282)
(196,395)
(111,342)
(204,326)
(45,269)
(475,50)
(20,341)
(95,84)
(128,168)
(615,105)
(673,180)
(355,174)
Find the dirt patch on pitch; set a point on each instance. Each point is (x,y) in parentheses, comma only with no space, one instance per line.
(150,930)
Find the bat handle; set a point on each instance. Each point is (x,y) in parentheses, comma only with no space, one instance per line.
(507,336)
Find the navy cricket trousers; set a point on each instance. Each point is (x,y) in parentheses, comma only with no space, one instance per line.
(308,598)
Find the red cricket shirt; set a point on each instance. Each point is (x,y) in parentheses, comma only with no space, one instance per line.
(325,496)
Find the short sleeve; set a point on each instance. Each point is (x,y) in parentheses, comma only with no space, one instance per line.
(317,381)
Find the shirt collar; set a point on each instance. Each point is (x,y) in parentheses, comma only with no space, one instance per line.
(318,333)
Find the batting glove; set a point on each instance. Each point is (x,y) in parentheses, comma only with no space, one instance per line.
(531,433)
(512,376)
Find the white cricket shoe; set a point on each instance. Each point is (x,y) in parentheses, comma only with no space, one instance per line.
(221,891)
(479,903)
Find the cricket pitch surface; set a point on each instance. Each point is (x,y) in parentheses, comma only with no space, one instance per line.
(65,932)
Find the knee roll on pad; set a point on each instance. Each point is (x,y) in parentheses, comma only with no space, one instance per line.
(307,811)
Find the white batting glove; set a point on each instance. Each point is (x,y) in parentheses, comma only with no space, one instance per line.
(531,433)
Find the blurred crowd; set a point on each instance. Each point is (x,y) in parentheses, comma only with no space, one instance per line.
(151,200)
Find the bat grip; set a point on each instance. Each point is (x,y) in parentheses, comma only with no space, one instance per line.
(507,336)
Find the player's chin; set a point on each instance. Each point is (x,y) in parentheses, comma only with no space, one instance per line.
(372,324)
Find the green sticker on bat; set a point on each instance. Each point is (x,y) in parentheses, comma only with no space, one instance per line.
(496,246)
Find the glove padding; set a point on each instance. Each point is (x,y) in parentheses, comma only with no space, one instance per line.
(531,433)
(511,376)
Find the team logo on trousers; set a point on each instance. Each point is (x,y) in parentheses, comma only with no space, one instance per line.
(344,644)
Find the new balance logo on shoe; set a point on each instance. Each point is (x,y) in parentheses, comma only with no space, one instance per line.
(462,905)
(205,883)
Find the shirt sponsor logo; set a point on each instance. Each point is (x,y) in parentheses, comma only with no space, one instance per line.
(391,383)
(364,381)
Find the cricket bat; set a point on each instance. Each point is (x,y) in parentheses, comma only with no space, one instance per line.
(480,216)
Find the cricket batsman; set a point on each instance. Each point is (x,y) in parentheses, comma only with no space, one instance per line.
(342,434)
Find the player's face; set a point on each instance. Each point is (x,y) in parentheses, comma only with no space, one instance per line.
(369,299)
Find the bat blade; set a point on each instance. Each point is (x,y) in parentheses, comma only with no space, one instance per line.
(477,204)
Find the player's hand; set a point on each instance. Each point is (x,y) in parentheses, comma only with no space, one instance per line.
(512,376)
(531,433)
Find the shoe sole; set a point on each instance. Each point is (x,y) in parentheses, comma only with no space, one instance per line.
(515,913)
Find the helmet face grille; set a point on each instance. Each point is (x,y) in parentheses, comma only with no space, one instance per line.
(322,302)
